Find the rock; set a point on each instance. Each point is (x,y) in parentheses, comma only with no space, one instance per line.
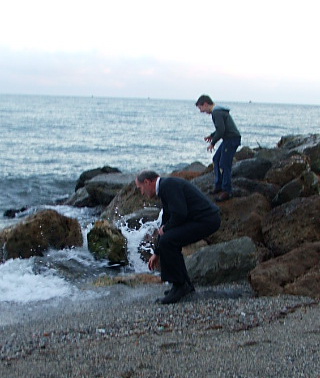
(287,170)
(11,213)
(80,198)
(39,232)
(308,145)
(306,185)
(130,279)
(292,224)
(191,171)
(90,174)
(103,188)
(296,273)
(127,201)
(241,217)
(274,155)
(135,220)
(100,190)
(245,187)
(244,153)
(254,168)
(223,262)
(107,242)
(205,182)
(192,248)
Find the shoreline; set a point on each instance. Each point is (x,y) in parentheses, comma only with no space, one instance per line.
(221,331)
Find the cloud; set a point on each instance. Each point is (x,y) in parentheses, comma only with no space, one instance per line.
(86,74)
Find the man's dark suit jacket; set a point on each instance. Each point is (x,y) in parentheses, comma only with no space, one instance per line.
(183,202)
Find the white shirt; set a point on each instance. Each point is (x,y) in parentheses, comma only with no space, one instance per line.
(157,186)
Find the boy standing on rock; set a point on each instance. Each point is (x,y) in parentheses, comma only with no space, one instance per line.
(226,130)
(188,216)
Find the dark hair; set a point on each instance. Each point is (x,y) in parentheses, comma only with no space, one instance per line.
(147,175)
(204,98)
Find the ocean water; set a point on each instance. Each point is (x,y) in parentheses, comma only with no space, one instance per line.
(46,142)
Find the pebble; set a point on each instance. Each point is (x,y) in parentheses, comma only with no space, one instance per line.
(123,327)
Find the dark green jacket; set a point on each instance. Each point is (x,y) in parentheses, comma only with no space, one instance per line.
(224,124)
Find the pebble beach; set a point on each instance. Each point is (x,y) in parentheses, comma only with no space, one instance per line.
(218,331)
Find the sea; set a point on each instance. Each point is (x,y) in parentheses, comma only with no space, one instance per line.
(46,142)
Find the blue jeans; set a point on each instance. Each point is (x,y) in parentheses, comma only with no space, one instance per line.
(222,163)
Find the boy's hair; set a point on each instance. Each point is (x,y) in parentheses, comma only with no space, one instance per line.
(204,98)
(147,175)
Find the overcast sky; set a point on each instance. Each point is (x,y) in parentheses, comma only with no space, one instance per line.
(233,50)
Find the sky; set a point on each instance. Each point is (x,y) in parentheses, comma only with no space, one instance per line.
(233,50)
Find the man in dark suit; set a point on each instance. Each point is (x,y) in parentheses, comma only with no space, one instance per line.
(188,216)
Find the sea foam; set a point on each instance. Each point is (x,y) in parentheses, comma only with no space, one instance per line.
(18,283)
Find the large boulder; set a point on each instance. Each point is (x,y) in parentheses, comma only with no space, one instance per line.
(190,171)
(308,145)
(91,173)
(80,198)
(100,190)
(287,170)
(306,185)
(223,262)
(292,224)
(243,187)
(39,232)
(296,273)
(128,201)
(241,217)
(254,168)
(107,242)
(103,188)
(205,182)
(244,153)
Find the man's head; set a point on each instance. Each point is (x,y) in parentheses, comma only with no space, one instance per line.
(205,104)
(146,183)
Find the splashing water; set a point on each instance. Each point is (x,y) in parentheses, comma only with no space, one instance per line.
(134,242)
(18,283)
(58,274)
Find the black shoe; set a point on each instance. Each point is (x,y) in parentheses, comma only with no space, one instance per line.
(166,292)
(176,293)
(216,191)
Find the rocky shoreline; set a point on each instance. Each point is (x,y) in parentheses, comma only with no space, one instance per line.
(270,228)
(220,331)
(267,326)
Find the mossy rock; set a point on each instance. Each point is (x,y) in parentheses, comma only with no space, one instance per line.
(107,242)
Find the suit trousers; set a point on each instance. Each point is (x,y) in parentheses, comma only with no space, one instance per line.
(173,268)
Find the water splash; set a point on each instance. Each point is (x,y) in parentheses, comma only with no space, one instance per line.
(135,237)
(19,283)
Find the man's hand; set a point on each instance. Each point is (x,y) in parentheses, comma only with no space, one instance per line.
(160,231)
(153,262)
(208,138)
(210,148)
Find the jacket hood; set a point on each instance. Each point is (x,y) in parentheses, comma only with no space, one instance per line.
(218,107)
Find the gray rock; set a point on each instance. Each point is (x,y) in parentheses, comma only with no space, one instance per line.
(103,188)
(223,262)
(254,168)
(91,173)
(80,198)
(308,145)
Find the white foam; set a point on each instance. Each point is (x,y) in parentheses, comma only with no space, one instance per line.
(18,283)
(134,238)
